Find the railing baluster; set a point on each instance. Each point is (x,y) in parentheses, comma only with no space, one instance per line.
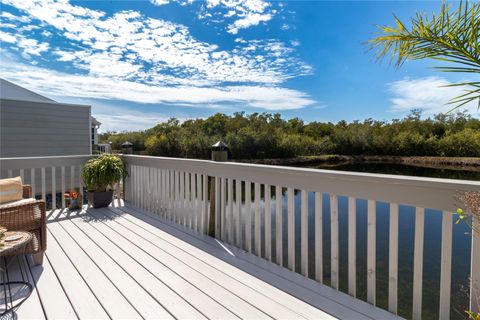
(10,173)
(159,183)
(230,212)
(22,175)
(268,223)
(131,180)
(318,238)
(188,212)
(238,212)
(352,252)
(217,207)
(148,180)
(291,228)
(475,267)
(44,195)
(278,225)
(192,210)
(223,213)
(137,186)
(257,226)
(206,211)
(418,263)
(446,266)
(248,216)
(183,197)
(166,176)
(198,205)
(176,181)
(304,232)
(32,181)
(153,189)
(170,198)
(371,251)
(62,176)
(334,240)
(141,186)
(80,180)
(72,177)
(158,190)
(393,260)
(54,189)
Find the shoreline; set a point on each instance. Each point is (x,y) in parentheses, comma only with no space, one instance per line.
(454,163)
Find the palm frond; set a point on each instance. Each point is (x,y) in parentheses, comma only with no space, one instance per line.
(452,36)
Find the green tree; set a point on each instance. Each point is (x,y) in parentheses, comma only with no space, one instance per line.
(451,37)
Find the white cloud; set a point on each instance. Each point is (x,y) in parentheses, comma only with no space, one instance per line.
(114,118)
(131,57)
(123,44)
(245,13)
(159,2)
(50,82)
(32,46)
(7,37)
(429,94)
(251,19)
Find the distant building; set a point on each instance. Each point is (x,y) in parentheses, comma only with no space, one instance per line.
(33,125)
(95,124)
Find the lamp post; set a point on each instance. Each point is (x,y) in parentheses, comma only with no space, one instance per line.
(219,153)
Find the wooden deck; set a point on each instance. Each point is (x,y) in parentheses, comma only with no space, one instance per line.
(122,262)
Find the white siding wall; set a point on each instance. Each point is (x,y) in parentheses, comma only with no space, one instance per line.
(29,129)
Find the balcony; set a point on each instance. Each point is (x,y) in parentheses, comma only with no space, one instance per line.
(288,243)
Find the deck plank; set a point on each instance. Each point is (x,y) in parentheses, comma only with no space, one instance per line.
(218,275)
(31,308)
(125,262)
(227,262)
(111,299)
(174,303)
(221,295)
(138,297)
(322,297)
(82,299)
(202,302)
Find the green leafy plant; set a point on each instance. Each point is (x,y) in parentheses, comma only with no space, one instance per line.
(103,171)
(451,37)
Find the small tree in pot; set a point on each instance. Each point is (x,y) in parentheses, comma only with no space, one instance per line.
(99,175)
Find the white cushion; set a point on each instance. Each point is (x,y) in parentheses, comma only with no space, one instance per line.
(17,203)
(11,189)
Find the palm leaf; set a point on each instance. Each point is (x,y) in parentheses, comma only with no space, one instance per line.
(452,36)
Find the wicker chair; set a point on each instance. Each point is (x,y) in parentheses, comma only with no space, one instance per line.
(29,216)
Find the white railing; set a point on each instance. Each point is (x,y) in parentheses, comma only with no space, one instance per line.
(47,175)
(180,190)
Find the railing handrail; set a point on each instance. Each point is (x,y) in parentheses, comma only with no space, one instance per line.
(423,192)
(41,162)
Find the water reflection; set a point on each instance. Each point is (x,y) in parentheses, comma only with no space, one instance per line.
(432,245)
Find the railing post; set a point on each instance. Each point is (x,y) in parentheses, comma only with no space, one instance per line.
(219,153)
(475,267)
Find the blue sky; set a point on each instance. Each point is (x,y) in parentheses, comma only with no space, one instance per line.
(140,62)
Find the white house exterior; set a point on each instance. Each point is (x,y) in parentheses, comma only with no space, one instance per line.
(33,125)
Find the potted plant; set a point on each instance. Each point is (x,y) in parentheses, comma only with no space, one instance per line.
(99,175)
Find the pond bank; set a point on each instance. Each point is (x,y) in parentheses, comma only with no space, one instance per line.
(454,163)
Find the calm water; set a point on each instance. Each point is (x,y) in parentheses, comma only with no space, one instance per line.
(401,169)
(432,244)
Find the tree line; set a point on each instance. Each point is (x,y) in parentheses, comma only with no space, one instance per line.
(266,135)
